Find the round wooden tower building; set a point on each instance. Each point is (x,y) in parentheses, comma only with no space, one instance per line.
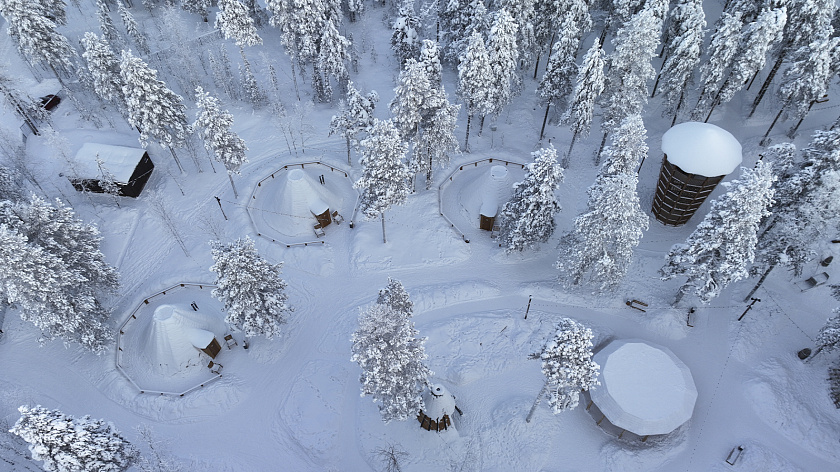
(697,157)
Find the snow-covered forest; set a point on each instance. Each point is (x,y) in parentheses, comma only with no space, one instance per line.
(396,235)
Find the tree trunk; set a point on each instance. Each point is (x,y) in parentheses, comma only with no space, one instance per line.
(481,125)
(677,109)
(749,84)
(767,134)
(767,81)
(347,138)
(235,193)
(172,151)
(545,118)
(537,402)
(537,66)
(467,138)
(568,157)
(792,133)
(656,84)
(294,77)
(601,148)
(760,281)
(383,227)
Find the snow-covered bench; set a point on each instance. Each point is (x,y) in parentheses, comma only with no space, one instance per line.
(812,282)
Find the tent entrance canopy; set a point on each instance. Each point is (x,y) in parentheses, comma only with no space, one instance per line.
(645,388)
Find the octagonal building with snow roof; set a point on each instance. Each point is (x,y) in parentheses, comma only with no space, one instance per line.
(697,157)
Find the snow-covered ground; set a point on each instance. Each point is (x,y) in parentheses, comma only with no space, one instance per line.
(293,403)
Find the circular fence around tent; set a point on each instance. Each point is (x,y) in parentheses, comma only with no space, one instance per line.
(132,359)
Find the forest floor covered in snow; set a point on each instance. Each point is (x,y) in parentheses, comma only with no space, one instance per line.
(293,403)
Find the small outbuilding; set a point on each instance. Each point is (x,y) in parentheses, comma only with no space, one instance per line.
(130,168)
(303,200)
(440,406)
(493,195)
(645,388)
(697,157)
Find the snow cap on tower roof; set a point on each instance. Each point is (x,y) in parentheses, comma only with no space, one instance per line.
(702,148)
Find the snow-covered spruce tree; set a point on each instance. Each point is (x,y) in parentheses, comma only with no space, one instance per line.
(807,79)
(253,92)
(405,39)
(557,82)
(56,11)
(473,89)
(236,24)
(133,29)
(301,23)
(457,20)
(588,87)
(600,247)
(395,297)
(682,55)
(333,58)
(213,125)
(528,218)
(568,366)
(807,205)
(106,25)
(504,60)
(11,188)
(199,7)
(256,12)
(250,287)
(430,60)
(392,359)
(384,180)
(437,141)
(828,339)
(35,35)
(355,117)
(808,21)
(522,12)
(722,247)
(155,110)
(104,69)
(629,67)
(756,40)
(68,444)
(724,47)
(53,271)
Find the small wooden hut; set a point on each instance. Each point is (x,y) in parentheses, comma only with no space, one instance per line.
(440,405)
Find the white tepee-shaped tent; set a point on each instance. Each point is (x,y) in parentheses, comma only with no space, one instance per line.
(440,406)
(306,201)
(177,335)
(483,197)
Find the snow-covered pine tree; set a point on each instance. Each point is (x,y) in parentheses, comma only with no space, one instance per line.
(522,12)
(155,110)
(355,8)
(395,296)
(54,272)
(104,69)
(457,20)
(236,24)
(588,87)
(10,185)
(807,79)
(253,92)
(628,148)
(504,60)
(567,365)
(250,287)
(473,90)
(333,58)
(756,40)
(828,339)
(528,218)
(405,39)
(723,49)
(682,54)
(384,180)
(414,99)
(35,35)
(301,23)
(199,7)
(722,247)
(107,181)
(392,359)
(808,21)
(355,117)
(256,12)
(213,125)
(68,444)
(557,82)
(430,60)
(56,11)
(106,25)
(807,205)
(437,141)
(133,29)
(629,67)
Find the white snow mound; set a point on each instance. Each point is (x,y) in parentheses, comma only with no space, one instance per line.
(702,148)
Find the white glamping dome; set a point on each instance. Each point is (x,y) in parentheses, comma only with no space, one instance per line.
(176,336)
(303,199)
